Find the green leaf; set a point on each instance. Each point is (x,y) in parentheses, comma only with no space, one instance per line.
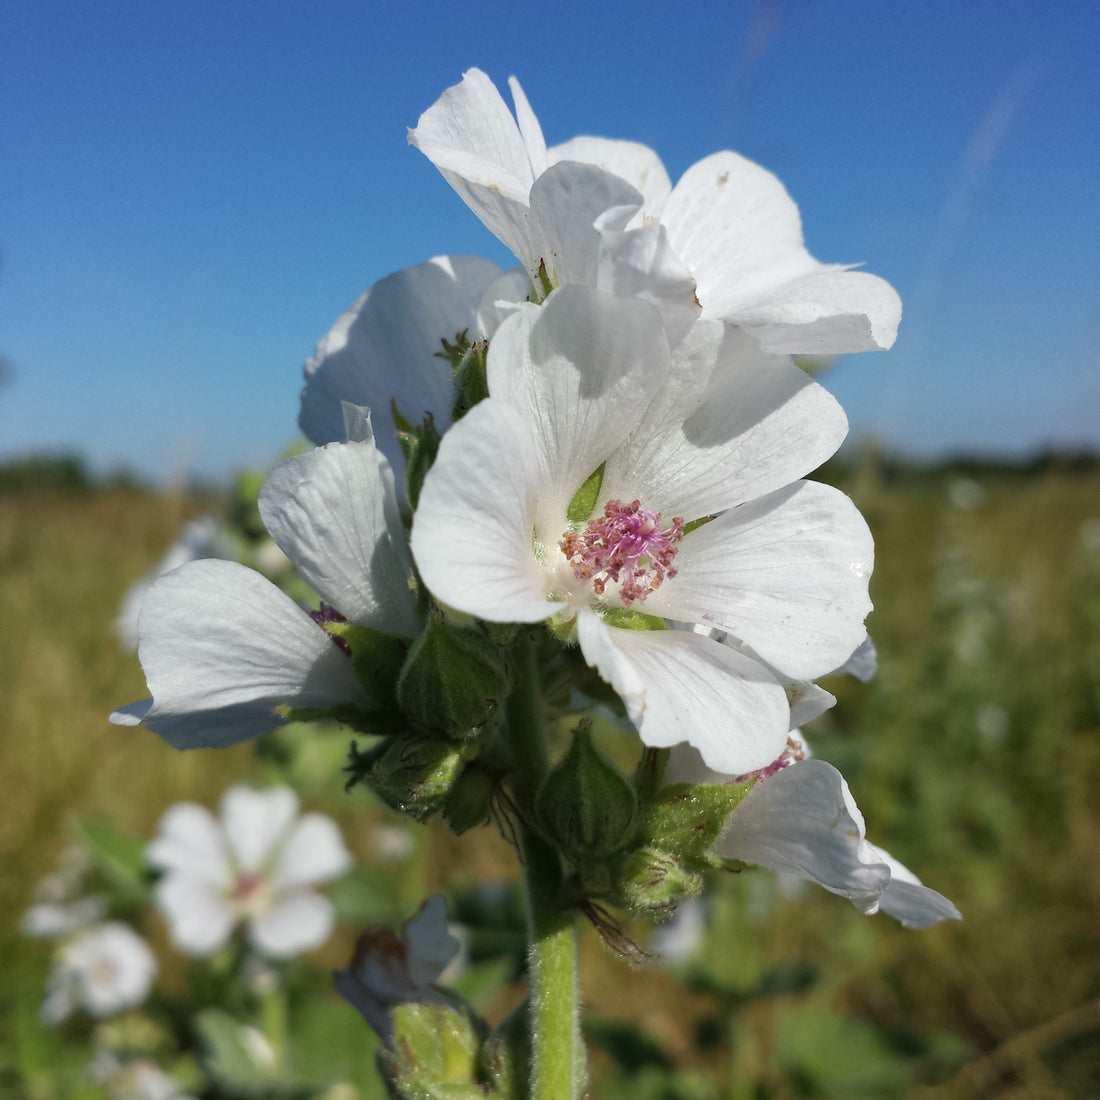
(120,858)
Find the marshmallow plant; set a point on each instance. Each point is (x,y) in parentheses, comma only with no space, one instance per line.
(573,488)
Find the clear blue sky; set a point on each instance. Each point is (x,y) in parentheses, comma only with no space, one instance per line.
(191,193)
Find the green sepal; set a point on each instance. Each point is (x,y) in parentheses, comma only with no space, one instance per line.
(469,362)
(650,772)
(543,285)
(453,680)
(626,619)
(413,775)
(434,1053)
(469,802)
(586,806)
(376,657)
(651,882)
(405,431)
(584,499)
(686,818)
(420,461)
(506,1056)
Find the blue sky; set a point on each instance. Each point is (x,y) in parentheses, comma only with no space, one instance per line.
(191,193)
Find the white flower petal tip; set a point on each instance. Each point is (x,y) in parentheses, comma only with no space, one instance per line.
(908,900)
(254,865)
(389,969)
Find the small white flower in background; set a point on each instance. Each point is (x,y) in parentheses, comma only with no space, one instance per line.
(800,818)
(256,866)
(59,908)
(696,516)
(675,941)
(389,969)
(102,969)
(134,1079)
(224,650)
(604,213)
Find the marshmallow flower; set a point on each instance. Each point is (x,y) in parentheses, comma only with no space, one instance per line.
(224,650)
(726,241)
(800,818)
(103,969)
(255,866)
(641,489)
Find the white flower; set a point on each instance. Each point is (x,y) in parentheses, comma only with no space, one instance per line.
(102,969)
(134,1078)
(255,866)
(385,348)
(800,818)
(585,385)
(223,648)
(604,212)
(388,969)
(59,907)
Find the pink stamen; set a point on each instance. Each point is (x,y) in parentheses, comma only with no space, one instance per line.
(794,753)
(626,546)
(248,882)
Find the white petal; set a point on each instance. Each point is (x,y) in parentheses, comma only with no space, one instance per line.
(731,424)
(529,128)
(471,536)
(500,300)
(804,820)
(915,905)
(734,225)
(190,841)
(199,920)
(637,164)
(786,574)
(807,700)
(566,202)
(826,312)
(471,137)
(384,348)
(257,823)
(679,686)
(221,646)
(431,947)
(862,664)
(333,513)
(314,852)
(299,922)
(579,373)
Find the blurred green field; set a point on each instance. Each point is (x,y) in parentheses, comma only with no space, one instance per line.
(974,755)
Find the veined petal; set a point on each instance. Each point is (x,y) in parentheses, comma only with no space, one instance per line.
(221,647)
(907,899)
(256,823)
(471,137)
(680,686)
(299,922)
(384,348)
(313,852)
(472,534)
(731,424)
(332,513)
(825,312)
(733,223)
(786,574)
(804,820)
(190,842)
(199,920)
(578,372)
(637,164)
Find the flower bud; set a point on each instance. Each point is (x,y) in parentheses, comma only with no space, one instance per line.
(652,883)
(469,801)
(412,774)
(434,1053)
(586,805)
(453,679)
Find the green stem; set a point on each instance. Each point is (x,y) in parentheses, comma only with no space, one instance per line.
(557,1054)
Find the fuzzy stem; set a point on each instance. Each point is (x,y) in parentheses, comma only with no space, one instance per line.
(557,1056)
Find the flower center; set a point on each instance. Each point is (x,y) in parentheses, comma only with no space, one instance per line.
(249,896)
(794,753)
(627,546)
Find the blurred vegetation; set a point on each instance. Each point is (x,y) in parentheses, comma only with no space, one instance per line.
(974,755)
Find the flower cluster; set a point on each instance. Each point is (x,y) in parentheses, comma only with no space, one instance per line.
(592,466)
